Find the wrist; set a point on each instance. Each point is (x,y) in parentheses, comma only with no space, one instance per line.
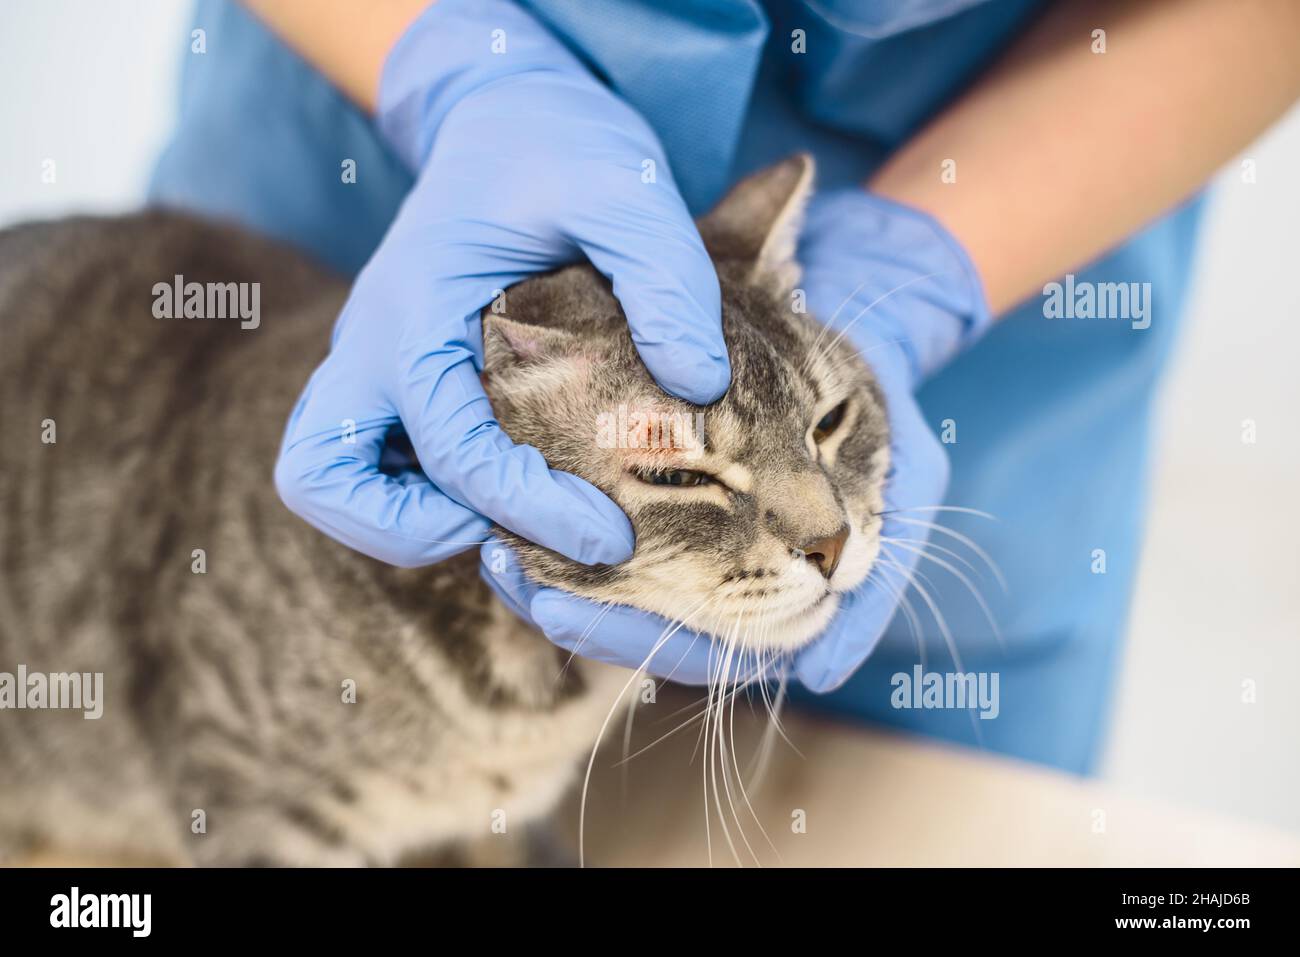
(452,49)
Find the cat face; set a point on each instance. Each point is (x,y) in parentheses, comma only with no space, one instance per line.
(752,515)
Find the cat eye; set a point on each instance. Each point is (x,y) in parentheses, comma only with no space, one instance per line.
(829,422)
(679,477)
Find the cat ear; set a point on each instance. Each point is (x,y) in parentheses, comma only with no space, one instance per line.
(508,343)
(759,220)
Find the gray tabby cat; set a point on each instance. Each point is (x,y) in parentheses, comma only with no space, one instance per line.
(224,692)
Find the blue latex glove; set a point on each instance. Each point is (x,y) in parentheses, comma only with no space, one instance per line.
(898,286)
(903,291)
(525,161)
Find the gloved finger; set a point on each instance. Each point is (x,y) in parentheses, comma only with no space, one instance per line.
(617,635)
(504,595)
(499,567)
(628,637)
(328,474)
(667,286)
(918,479)
(466,454)
(857,628)
(684,656)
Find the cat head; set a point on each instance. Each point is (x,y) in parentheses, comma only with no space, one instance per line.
(752,515)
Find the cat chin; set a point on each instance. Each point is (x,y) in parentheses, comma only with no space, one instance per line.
(763,632)
(809,624)
(801,629)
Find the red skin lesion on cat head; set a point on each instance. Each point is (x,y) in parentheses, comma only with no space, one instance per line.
(652,433)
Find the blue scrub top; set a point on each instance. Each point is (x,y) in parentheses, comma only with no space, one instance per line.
(1051,416)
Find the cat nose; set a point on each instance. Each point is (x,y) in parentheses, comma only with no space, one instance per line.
(825,552)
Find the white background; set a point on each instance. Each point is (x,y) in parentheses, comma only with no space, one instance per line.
(93,85)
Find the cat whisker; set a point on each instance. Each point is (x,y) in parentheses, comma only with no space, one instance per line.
(774,712)
(777,705)
(706,768)
(946,508)
(748,683)
(438,541)
(685,724)
(952,648)
(762,757)
(871,305)
(720,748)
(722,693)
(960,576)
(928,543)
(664,737)
(627,745)
(740,783)
(965,540)
(909,612)
(591,760)
(939,619)
(673,670)
(686,707)
(828,324)
(586,633)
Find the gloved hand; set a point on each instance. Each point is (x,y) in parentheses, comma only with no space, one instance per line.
(897,285)
(903,291)
(525,161)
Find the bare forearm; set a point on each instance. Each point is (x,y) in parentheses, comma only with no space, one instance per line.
(1061,152)
(347,40)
